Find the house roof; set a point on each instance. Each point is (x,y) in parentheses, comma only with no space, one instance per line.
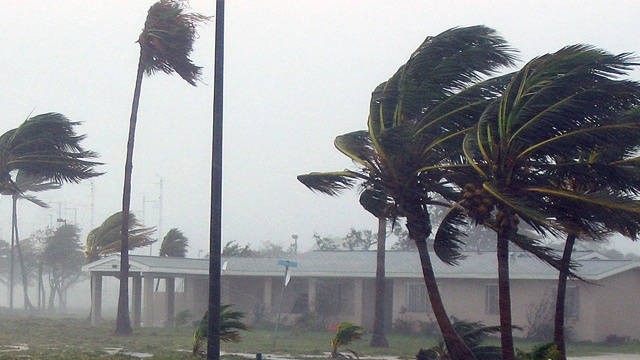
(399,264)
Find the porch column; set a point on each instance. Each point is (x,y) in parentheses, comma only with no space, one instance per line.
(137,300)
(312,295)
(268,285)
(96,298)
(148,300)
(171,301)
(357,297)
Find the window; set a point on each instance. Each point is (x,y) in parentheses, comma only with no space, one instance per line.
(492,306)
(328,296)
(417,298)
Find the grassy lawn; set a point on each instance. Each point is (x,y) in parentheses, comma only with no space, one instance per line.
(72,338)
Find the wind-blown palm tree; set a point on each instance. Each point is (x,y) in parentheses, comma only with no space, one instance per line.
(174,244)
(416,118)
(23,184)
(44,147)
(166,43)
(105,239)
(616,172)
(526,149)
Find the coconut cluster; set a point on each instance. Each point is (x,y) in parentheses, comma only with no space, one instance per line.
(478,202)
(506,223)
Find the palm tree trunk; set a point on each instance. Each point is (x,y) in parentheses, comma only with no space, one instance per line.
(378,338)
(558,331)
(11,265)
(504,291)
(123,321)
(419,227)
(458,350)
(23,270)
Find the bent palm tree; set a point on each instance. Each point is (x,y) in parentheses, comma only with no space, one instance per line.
(526,150)
(230,324)
(174,244)
(417,121)
(346,333)
(166,43)
(23,184)
(44,147)
(105,239)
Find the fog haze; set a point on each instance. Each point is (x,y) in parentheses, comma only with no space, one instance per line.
(297,74)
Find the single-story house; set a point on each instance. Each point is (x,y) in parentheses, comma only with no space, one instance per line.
(340,286)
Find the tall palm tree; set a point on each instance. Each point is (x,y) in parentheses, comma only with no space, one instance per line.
(44,147)
(166,43)
(525,151)
(105,239)
(416,118)
(174,244)
(23,184)
(617,172)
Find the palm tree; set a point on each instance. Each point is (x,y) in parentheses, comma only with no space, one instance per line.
(230,324)
(23,184)
(416,118)
(44,147)
(473,334)
(616,172)
(166,43)
(525,151)
(105,239)
(174,244)
(346,333)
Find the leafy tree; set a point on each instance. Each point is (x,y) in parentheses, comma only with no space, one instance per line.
(533,142)
(174,244)
(166,43)
(106,239)
(417,121)
(404,242)
(24,183)
(5,256)
(233,249)
(38,241)
(325,243)
(360,239)
(63,258)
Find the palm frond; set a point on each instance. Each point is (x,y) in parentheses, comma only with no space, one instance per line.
(546,254)
(447,240)
(330,183)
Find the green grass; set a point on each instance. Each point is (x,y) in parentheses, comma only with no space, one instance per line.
(72,338)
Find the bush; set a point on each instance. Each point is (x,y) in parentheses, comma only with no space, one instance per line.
(307,322)
(615,340)
(404,326)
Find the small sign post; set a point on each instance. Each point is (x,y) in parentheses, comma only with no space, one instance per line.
(287,278)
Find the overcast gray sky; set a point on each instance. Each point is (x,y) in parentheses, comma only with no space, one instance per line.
(297,74)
